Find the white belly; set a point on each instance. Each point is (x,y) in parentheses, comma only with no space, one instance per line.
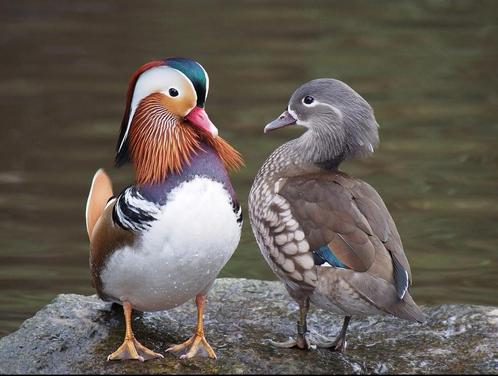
(182,252)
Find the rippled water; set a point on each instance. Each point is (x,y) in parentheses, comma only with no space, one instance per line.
(429,69)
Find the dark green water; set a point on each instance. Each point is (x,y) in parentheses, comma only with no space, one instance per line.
(429,69)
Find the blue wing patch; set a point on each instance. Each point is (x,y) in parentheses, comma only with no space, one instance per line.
(325,254)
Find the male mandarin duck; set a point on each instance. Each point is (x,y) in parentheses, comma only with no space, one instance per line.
(164,239)
(326,235)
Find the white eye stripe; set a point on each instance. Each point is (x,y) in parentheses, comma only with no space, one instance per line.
(333,108)
(314,104)
(151,81)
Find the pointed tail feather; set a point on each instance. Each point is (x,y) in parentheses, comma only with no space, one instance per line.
(381,294)
(100,192)
(409,310)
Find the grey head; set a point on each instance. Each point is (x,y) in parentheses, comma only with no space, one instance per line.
(340,123)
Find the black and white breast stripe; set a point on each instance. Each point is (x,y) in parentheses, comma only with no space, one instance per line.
(133,212)
(237,209)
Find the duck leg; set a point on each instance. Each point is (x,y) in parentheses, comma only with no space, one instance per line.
(301,341)
(131,348)
(339,344)
(192,346)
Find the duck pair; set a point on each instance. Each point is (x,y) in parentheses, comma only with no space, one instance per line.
(163,240)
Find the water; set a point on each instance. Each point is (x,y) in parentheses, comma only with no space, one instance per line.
(428,68)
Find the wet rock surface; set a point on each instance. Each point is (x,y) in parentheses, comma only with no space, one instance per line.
(74,334)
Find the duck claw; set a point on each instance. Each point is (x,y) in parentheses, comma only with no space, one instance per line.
(301,342)
(338,344)
(192,346)
(131,349)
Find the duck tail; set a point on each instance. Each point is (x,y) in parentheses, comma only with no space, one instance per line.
(100,193)
(409,310)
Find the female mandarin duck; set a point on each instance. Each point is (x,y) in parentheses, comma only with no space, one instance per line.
(163,240)
(328,236)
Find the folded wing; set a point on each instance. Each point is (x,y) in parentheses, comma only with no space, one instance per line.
(100,193)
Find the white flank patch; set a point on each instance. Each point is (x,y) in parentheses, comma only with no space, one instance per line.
(181,254)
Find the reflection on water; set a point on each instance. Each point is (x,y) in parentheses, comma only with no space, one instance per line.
(428,68)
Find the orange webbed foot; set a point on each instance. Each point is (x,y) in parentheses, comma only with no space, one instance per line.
(191,347)
(197,342)
(133,350)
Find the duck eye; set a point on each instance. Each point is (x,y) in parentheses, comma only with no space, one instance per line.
(173,92)
(308,99)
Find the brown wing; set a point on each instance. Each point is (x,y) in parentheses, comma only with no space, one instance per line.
(375,211)
(328,215)
(106,238)
(349,216)
(100,193)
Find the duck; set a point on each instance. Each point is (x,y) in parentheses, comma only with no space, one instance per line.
(163,240)
(326,235)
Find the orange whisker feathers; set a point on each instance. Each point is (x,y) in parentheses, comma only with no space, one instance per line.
(230,157)
(158,147)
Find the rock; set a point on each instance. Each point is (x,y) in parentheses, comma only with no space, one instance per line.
(74,334)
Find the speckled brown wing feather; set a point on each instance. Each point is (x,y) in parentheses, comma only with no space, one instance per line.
(326,211)
(349,216)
